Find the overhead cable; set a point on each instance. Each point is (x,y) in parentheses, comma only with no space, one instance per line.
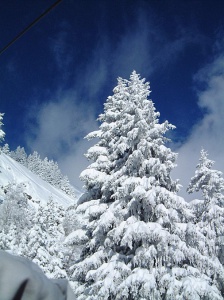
(29,26)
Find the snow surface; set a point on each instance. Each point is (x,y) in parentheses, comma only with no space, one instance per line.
(40,191)
(16,270)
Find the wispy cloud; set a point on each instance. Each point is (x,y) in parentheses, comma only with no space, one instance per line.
(208,133)
(133,50)
(74,162)
(63,51)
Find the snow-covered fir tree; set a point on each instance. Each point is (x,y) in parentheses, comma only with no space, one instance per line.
(210,218)
(19,155)
(2,134)
(34,163)
(207,180)
(14,209)
(137,244)
(43,242)
(5,149)
(15,217)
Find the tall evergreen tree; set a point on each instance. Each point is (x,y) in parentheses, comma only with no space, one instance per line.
(135,218)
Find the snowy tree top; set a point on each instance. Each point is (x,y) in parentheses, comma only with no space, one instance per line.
(2,133)
(206,179)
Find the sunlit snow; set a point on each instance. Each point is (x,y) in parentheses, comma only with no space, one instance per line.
(39,190)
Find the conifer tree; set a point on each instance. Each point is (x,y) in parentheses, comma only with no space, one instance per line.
(5,149)
(34,163)
(208,180)
(14,210)
(2,134)
(43,242)
(135,218)
(19,155)
(210,221)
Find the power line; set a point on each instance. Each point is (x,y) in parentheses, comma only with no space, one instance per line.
(29,26)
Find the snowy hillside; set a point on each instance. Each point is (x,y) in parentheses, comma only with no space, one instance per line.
(35,187)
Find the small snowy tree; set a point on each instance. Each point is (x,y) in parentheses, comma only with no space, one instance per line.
(19,155)
(136,246)
(43,243)
(9,238)
(211,218)
(14,210)
(207,180)
(15,217)
(66,187)
(5,149)
(52,218)
(2,134)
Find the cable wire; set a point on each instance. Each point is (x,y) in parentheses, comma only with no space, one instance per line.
(29,26)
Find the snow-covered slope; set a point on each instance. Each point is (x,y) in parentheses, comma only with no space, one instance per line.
(11,171)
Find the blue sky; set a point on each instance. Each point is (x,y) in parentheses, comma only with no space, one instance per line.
(55,79)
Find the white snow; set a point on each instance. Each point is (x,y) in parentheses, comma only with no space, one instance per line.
(16,270)
(40,191)
(76,237)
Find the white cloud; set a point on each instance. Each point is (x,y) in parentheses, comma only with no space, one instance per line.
(59,124)
(209,132)
(60,127)
(74,162)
